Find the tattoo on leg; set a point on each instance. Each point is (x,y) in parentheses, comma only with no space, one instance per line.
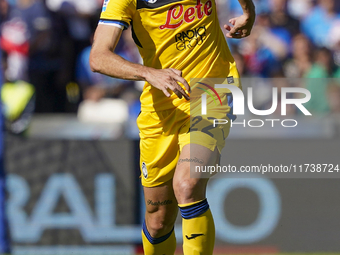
(157,203)
(190,160)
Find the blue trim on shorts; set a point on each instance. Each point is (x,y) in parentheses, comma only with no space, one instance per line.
(195,210)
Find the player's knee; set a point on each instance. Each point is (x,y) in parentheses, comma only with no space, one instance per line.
(185,189)
(159,226)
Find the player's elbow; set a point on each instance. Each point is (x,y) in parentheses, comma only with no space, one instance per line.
(95,62)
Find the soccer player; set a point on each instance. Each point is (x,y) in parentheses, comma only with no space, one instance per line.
(179,40)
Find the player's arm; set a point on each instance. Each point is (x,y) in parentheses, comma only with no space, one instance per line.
(241,26)
(105,61)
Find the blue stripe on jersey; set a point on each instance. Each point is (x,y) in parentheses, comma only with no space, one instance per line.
(155,240)
(119,22)
(195,210)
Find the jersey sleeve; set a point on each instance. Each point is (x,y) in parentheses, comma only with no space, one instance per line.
(117,13)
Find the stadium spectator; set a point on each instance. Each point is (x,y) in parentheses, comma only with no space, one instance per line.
(282,23)
(32,46)
(299,8)
(301,60)
(96,85)
(77,15)
(18,100)
(263,50)
(4,9)
(333,94)
(317,80)
(15,41)
(78,19)
(337,73)
(334,42)
(323,66)
(262,6)
(317,24)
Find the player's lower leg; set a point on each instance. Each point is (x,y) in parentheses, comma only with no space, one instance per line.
(198,228)
(158,228)
(164,245)
(198,224)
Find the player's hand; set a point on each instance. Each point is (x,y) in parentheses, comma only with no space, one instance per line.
(164,79)
(241,26)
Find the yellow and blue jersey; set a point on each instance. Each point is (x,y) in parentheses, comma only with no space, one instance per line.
(180,34)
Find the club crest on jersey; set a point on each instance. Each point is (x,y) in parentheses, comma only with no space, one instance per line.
(177,15)
(151,1)
(144,170)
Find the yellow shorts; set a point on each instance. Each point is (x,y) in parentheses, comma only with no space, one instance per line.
(164,134)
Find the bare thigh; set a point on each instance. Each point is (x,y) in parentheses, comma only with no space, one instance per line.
(191,188)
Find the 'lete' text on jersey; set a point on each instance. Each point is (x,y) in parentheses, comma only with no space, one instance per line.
(180,34)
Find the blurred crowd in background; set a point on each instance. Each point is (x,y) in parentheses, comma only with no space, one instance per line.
(292,39)
(46,43)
